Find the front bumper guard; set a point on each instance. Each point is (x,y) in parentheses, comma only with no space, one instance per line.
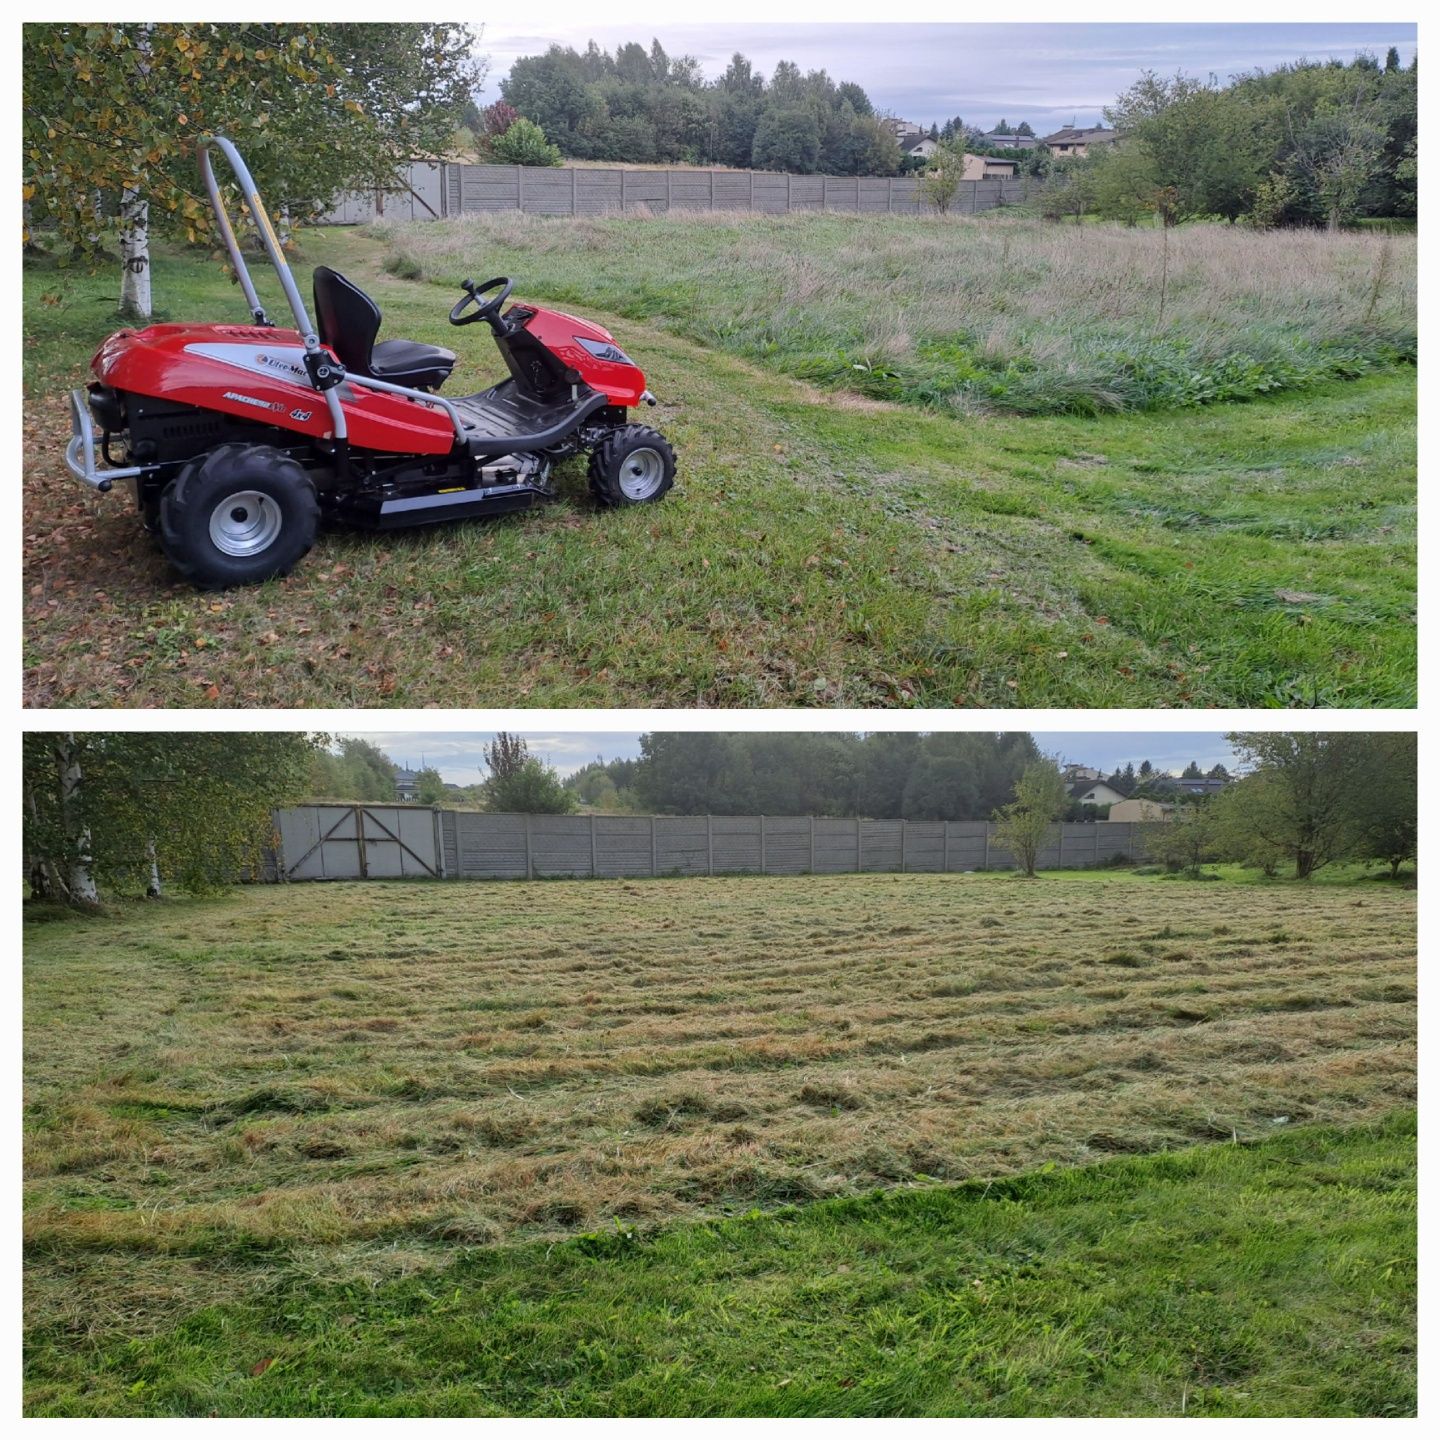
(80,452)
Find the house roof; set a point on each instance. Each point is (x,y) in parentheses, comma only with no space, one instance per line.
(1079,787)
(1082,135)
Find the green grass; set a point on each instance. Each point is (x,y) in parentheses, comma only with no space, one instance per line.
(820,549)
(1276,1279)
(301,1120)
(1000,314)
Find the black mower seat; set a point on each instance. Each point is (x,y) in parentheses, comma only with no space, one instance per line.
(408,362)
(348,321)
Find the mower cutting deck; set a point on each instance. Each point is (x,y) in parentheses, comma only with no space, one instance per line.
(238,438)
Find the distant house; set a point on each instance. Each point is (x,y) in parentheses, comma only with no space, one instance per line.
(1203,785)
(407,784)
(904,130)
(988,167)
(914,140)
(1072,773)
(1094,792)
(1143,810)
(1079,141)
(995,141)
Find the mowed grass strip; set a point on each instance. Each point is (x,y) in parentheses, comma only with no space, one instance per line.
(821,549)
(420,1064)
(1274,1279)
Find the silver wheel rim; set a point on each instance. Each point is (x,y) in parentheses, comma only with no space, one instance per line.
(641,472)
(245,523)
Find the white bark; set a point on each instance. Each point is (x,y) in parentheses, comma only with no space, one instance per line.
(82,878)
(135,257)
(153,889)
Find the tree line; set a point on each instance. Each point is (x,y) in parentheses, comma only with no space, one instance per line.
(1309,143)
(938,776)
(138,814)
(643,105)
(1305,800)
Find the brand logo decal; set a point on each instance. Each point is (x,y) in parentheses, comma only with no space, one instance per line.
(284,364)
(252,400)
(301,414)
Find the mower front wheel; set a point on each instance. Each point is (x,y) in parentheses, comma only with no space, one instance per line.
(633,465)
(238,515)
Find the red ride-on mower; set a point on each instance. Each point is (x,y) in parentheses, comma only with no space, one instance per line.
(236,438)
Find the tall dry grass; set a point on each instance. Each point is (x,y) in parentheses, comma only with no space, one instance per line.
(1000,313)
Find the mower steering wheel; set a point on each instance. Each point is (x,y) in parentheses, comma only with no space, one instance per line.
(464,314)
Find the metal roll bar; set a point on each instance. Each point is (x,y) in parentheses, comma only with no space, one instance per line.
(274,250)
(253,203)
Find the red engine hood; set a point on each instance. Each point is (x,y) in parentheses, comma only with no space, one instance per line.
(258,372)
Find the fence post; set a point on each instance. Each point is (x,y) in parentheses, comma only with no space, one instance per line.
(859,846)
(439,843)
(985,864)
(1095,848)
(520,188)
(710,845)
(594,868)
(574,202)
(890,195)
(623,205)
(712,189)
(788,206)
(669,175)
(529,858)
(359,843)
(654,869)
(812,844)
(1060,849)
(945,851)
(904,831)
(763,870)
(752,189)
(824,192)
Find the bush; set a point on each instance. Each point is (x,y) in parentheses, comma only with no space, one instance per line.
(524,143)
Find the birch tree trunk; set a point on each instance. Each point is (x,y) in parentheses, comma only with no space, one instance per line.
(152,886)
(135,257)
(81,884)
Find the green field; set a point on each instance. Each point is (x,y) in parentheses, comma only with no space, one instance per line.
(822,548)
(467,1148)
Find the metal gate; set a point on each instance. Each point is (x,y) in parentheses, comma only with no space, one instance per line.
(358,842)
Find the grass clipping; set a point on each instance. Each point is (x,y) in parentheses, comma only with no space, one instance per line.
(412,1064)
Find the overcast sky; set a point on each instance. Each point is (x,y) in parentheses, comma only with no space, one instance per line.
(458,755)
(1046,73)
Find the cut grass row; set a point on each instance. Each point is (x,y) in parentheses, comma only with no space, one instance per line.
(344,1064)
(278,1124)
(1275,1279)
(817,552)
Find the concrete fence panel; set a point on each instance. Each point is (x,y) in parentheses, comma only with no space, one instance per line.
(333,842)
(430,192)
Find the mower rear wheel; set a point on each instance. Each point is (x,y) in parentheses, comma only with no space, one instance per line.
(238,515)
(633,465)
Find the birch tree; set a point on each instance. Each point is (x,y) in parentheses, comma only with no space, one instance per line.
(115,110)
(135,813)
